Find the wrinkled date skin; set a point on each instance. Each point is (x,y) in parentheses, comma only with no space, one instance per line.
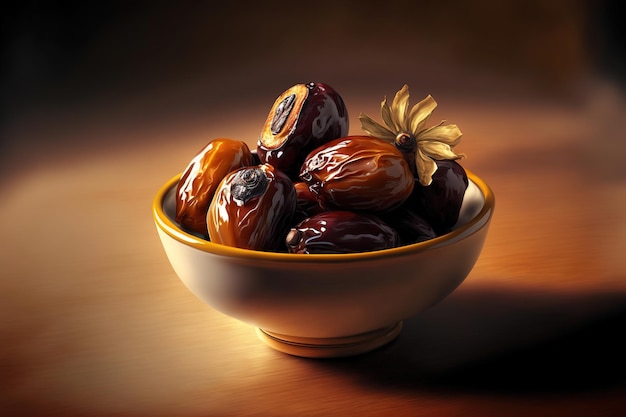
(411,227)
(306,204)
(340,232)
(440,202)
(302,118)
(358,173)
(201,178)
(252,209)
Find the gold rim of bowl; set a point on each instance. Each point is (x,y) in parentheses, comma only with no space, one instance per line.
(168,226)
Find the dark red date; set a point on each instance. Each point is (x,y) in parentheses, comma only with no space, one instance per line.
(411,227)
(340,232)
(302,118)
(440,202)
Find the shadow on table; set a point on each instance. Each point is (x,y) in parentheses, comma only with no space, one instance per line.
(488,340)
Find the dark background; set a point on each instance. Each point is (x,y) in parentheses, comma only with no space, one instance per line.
(155,64)
(74,49)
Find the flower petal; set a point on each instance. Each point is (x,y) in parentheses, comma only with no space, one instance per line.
(400,109)
(438,150)
(385,112)
(420,113)
(375,129)
(449,134)
(426,167)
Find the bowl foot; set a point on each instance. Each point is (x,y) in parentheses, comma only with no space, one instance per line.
(335,347)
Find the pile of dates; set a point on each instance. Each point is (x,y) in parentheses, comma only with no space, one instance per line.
(311,188)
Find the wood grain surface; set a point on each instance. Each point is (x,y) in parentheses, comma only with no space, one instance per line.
(94,322)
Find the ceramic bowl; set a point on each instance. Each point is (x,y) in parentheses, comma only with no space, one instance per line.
(326,305)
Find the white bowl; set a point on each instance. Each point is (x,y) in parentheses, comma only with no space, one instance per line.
(326,305)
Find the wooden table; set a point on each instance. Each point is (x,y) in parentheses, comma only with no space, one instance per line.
(94,322)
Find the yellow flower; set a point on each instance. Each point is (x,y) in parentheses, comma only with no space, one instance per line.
(432,143)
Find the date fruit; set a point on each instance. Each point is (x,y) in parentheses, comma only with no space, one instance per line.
(201,178)
(340,232)
(302,118)
(440,202)
(306,204)
(411,227)
(358,173)
(252,209)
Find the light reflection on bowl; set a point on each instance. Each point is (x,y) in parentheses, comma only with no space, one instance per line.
(326,305)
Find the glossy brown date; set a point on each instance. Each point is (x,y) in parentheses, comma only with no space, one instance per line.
(252,209)
(302,118)
(340,232)
(358,173)
(201,178)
